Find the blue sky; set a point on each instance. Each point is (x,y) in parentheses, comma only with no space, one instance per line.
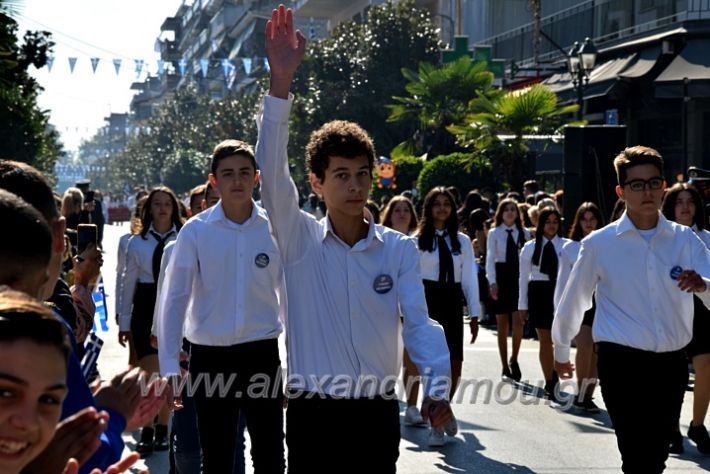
(84,29)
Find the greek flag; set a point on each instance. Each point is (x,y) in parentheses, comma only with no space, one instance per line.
(99,297)
(92,349)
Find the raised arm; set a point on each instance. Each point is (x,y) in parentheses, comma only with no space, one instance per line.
(279,195)
(284,49)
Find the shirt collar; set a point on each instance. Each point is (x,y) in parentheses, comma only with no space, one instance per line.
(152,229)
(624,224)
(372,232)
(216,214)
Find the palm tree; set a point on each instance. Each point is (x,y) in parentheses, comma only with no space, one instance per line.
(534,111)
(438,98)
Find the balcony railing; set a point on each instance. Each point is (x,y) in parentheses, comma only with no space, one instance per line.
(606,22)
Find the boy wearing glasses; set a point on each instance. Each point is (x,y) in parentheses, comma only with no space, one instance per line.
(643,270)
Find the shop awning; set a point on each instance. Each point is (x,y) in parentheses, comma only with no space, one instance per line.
(692,65)
(644,63)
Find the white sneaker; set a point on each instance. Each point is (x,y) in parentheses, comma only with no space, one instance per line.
(436,438)
(413,417)
(452,427)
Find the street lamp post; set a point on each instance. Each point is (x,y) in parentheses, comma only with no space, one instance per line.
(580,62)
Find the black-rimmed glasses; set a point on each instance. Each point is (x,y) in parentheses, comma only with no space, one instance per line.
(637,185)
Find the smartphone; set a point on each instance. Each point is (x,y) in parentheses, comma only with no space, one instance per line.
(71,233)
(89,196)
(86,234)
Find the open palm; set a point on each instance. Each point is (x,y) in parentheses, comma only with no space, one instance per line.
(284,47)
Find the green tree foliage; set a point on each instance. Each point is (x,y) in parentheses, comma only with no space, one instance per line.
(450,170)
(438,97)
(496,127)
(175,145)
(350,75)
(25,134)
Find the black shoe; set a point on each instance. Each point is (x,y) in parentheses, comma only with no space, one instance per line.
(145,445)
(515,371)
(506,374)
(161,438)
(700,437)
(677,443)
(550,387)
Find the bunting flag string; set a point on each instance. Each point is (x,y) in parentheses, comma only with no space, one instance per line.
(181,66)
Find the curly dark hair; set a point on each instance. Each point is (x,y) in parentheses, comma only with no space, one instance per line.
(338,138)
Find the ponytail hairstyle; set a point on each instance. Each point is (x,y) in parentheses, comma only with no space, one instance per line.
(426,230)
(540,231)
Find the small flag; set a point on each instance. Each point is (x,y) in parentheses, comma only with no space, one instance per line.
(161,67)
(94,63)
(92,349)
(182,64)
(72,63)
(226,66)
(266,65)
(139,66)
(117,65)
(247,65)
(204,64)
(50,63)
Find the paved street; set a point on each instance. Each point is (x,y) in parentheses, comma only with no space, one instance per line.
(515,431)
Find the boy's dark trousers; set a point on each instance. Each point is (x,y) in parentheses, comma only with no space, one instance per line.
(326,434)
(643,393)
(255,371)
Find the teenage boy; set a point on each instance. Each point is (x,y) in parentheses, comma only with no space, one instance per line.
(346,278)
(643,270)
(223,285)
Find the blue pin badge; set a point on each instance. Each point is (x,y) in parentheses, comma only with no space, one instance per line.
(675,272)
(262,260)
(383,284)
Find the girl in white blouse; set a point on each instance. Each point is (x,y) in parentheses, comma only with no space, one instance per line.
(587,219)
(160,222)
(539,263)
(505,240)
(683,204)
(449,273)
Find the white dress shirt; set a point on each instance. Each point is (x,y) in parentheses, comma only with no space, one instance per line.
(167,253)
(570,252)
(639,305)
(138,269)
(222,283)
(531,272)
(496,246)
(465,270)
(344,330)
(703,234)
(120,266)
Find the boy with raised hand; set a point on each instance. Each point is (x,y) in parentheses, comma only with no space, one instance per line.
(643,271)
(221,289)
(346,277)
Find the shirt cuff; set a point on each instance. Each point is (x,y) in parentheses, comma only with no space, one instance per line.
(562,353)
(276,109)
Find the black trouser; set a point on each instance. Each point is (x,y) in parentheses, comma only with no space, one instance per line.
(326,435)
(643,393)
(257,386)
